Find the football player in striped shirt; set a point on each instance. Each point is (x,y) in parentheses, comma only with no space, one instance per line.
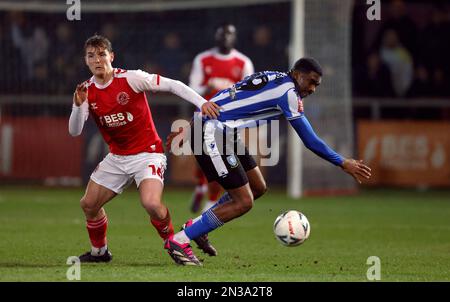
(213,70)
(262,96)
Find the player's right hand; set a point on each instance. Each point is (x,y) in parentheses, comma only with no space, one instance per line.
(211,110)
(357,169)
(80,95)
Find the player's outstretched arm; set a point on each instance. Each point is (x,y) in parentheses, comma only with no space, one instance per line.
(185,92)
(355,168)
(142,81)
(80,110)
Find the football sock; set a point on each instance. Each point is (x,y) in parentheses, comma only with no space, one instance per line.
(97,235)
(182,237)
(206,224)
(164,226)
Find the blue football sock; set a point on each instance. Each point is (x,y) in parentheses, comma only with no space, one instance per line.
(206,224)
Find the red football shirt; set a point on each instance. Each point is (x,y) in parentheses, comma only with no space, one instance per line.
(122,114)
(212,65)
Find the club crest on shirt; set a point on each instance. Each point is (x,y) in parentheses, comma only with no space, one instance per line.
(300,105)
(122,98)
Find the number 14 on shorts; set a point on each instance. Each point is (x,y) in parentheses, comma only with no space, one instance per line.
(157,171)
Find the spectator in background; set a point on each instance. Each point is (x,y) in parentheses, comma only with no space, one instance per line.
(399,61)
(10,63)
(62,54)
(40,79)
(30,39)
(264,52)
(172,59)
(434,49)
(399,21)
(374,79)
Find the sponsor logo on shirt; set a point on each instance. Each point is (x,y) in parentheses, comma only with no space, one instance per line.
(116,119)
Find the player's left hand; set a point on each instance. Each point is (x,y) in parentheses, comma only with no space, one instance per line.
(170,138)
(211,110)
(357,169)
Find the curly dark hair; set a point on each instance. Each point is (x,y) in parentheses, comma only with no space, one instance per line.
(307,65)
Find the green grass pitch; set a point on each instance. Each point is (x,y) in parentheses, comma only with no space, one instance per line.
(409,231)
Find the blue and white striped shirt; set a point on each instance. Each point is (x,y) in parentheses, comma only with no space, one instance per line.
(266,96)
(262,96)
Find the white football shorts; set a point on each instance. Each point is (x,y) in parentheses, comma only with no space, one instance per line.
(117,172)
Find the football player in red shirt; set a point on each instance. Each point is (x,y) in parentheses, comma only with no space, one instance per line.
(115,98)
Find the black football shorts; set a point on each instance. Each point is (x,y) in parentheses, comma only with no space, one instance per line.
(221,154)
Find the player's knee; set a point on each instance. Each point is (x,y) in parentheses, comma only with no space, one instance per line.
(259,190)
(151,204)
(245,204)
(88,206)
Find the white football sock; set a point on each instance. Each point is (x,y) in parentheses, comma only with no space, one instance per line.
(95,251)
(181,237)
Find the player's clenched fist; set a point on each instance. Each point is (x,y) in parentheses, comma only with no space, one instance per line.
(80,94)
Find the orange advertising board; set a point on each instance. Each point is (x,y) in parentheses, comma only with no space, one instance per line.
(410,153)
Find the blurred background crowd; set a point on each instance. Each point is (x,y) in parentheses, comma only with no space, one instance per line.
(48,50)
(403,55)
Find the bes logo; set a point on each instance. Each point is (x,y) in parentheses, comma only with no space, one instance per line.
(117,119)
(122,98)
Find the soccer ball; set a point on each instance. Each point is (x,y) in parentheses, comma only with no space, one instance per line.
(291,228)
